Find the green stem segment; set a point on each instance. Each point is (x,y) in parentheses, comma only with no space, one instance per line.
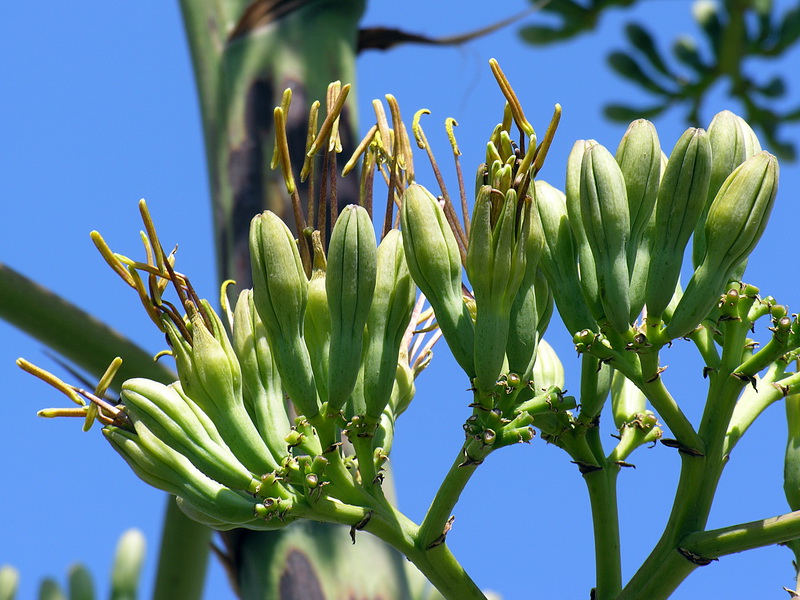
(183,556)
(602,486)
(435,521)
(669,563)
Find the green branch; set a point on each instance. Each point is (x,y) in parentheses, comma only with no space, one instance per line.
(745,536)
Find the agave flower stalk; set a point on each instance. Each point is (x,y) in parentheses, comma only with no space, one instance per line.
(290,412)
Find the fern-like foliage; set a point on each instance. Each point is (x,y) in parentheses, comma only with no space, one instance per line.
(735,37)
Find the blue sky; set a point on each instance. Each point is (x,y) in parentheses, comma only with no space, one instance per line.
(98,110)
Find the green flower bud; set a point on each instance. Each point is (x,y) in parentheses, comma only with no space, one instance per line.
(350,285)
(9,581)
(791,465)
(544,303)
(736,220)
(403,390)
(128,561)
(732,142)
(595,385)
(435,264)
(280,290)
(638,285)
(317,325)
(588,273)
(166,469)
(261,383)
(681,198)
(558,261)
(213,382)
(639,158)
(161,410)
(627,400)
(395,294)
(548,370)
(529,309)
(604,211)
(495,267)
(215,364)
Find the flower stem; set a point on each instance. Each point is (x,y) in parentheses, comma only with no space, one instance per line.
(602,486)
(440,510)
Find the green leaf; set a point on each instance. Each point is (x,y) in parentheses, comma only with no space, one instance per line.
(789,30)
(570,10)
(542,34)
(774,88)
(627,67)
(793,115)
(644,42)
(685,50)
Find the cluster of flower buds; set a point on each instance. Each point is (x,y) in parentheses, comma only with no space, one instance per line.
(615,244)
(323,349)
(494,329)
(326,346)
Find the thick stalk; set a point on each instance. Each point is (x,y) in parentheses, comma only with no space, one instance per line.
(183,556)
(244,55)
(667,567)
(602,486)
(441,509)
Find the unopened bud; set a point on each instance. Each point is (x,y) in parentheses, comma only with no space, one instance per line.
(350,285)
(604,212)
(681,198)
(736,220)
(280,290)
(435,264)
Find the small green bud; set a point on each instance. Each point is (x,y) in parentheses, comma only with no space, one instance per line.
(604,212)
(544,303)
(639,158)
(588,272)
(216,367)
(627,400)
(531,308)
(128,561)
(638,285)
(9,581)
(388,320)
(548,370)
(435,264)
(495,267)
(213,381)
(350,285)
(403,389)
(736,220)
(558,261)
(732,142)
(317,323)
(280,291)
(595,385)
(162,411)
(681,198)
(261,383)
